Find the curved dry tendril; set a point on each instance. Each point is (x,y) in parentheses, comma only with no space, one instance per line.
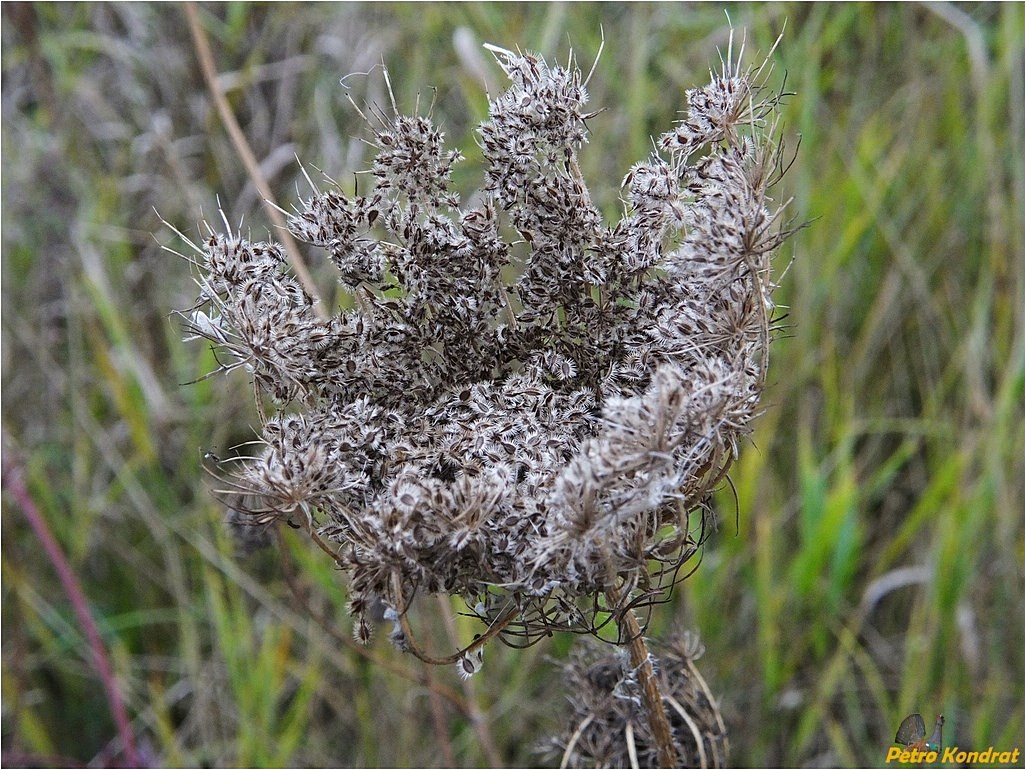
(480,640)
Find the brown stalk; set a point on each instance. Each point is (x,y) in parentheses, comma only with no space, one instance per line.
(650,694)
(206,59)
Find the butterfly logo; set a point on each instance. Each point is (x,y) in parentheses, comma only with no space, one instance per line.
(912,733)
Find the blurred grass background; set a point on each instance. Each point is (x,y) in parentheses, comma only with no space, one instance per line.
(876,564)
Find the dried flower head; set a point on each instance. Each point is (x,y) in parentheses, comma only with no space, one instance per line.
(607,727)
(528,406)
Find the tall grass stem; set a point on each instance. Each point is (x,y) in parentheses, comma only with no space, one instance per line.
(206,59)
(12,481)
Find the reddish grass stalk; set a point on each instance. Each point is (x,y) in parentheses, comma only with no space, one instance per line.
(12,481)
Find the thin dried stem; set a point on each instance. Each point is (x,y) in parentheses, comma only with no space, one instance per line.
(694,672)
(564,762)
(206,59)
(695,732)
(632,746)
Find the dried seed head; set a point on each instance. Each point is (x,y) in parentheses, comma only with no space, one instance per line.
(607,726)
(521,421)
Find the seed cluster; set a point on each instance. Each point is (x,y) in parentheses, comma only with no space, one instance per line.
(606,725)
(526,405)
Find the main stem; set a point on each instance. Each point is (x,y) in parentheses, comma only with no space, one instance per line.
(641,661)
